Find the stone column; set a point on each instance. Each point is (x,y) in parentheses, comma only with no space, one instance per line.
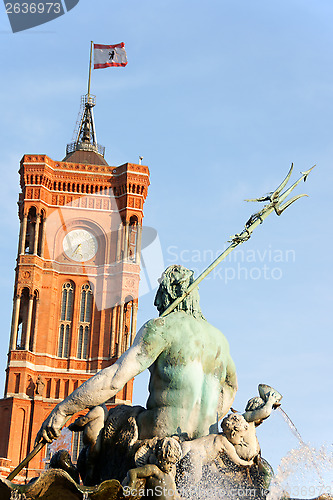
(36,325)
(134,319)
(31,236)
(119,238)
(138,245)
(121,324)
(43,237)
(29,318)
(126,242)
(23,234)
(113,330)
(128,323)
(15,320)
(36,235)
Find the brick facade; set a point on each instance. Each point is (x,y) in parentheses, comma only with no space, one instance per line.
(74,309)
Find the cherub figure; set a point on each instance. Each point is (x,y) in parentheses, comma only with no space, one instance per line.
(206,450)
(238,441)
(92,425)
(256,411)
(159,476)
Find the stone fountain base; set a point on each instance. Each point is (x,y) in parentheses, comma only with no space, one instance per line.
(56,484)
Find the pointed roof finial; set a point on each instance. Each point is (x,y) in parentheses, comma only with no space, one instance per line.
(85,134)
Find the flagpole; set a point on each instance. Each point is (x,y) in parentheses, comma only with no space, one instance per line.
(90,64)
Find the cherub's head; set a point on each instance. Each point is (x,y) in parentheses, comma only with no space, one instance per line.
(234,426)
(168,452)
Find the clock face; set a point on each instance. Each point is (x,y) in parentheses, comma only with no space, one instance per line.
(80,245)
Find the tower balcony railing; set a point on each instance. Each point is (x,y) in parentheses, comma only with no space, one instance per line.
(82,146)
(88,99)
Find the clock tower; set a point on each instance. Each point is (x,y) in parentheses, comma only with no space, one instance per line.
(76,284)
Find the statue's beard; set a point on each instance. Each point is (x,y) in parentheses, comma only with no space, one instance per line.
(162,300)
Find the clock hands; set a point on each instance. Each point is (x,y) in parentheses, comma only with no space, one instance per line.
(76,249)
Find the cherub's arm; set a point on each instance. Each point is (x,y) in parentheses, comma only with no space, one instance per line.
(230,451)
(265,411)
(91,425)
(146,472)
(143,472)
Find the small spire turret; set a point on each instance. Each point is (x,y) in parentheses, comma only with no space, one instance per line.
(85,133)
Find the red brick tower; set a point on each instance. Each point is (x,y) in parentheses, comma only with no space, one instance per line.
(76,285)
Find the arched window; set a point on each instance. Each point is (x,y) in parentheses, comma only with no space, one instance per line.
(66,315)
(129,323)
(77,445)
(30,232)
(22,333)
(133,239)
(84,321)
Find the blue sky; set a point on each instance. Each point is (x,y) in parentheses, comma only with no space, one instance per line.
(219,98)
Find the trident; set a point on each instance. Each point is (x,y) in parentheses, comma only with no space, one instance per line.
(275,198)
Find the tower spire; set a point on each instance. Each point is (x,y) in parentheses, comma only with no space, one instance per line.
(85,133)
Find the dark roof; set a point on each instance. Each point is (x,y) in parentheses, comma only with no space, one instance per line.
(86,157)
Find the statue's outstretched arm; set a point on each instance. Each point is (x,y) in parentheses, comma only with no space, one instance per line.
(148,344)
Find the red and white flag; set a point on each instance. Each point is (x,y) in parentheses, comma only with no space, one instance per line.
(109,55)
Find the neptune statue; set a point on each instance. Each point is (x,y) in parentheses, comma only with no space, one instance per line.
(192,375)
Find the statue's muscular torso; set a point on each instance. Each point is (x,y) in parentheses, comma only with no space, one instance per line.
(189,379)
(193,379)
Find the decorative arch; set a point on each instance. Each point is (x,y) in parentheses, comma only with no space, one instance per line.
(32,232)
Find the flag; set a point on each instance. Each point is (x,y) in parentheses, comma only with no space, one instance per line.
(109,55)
